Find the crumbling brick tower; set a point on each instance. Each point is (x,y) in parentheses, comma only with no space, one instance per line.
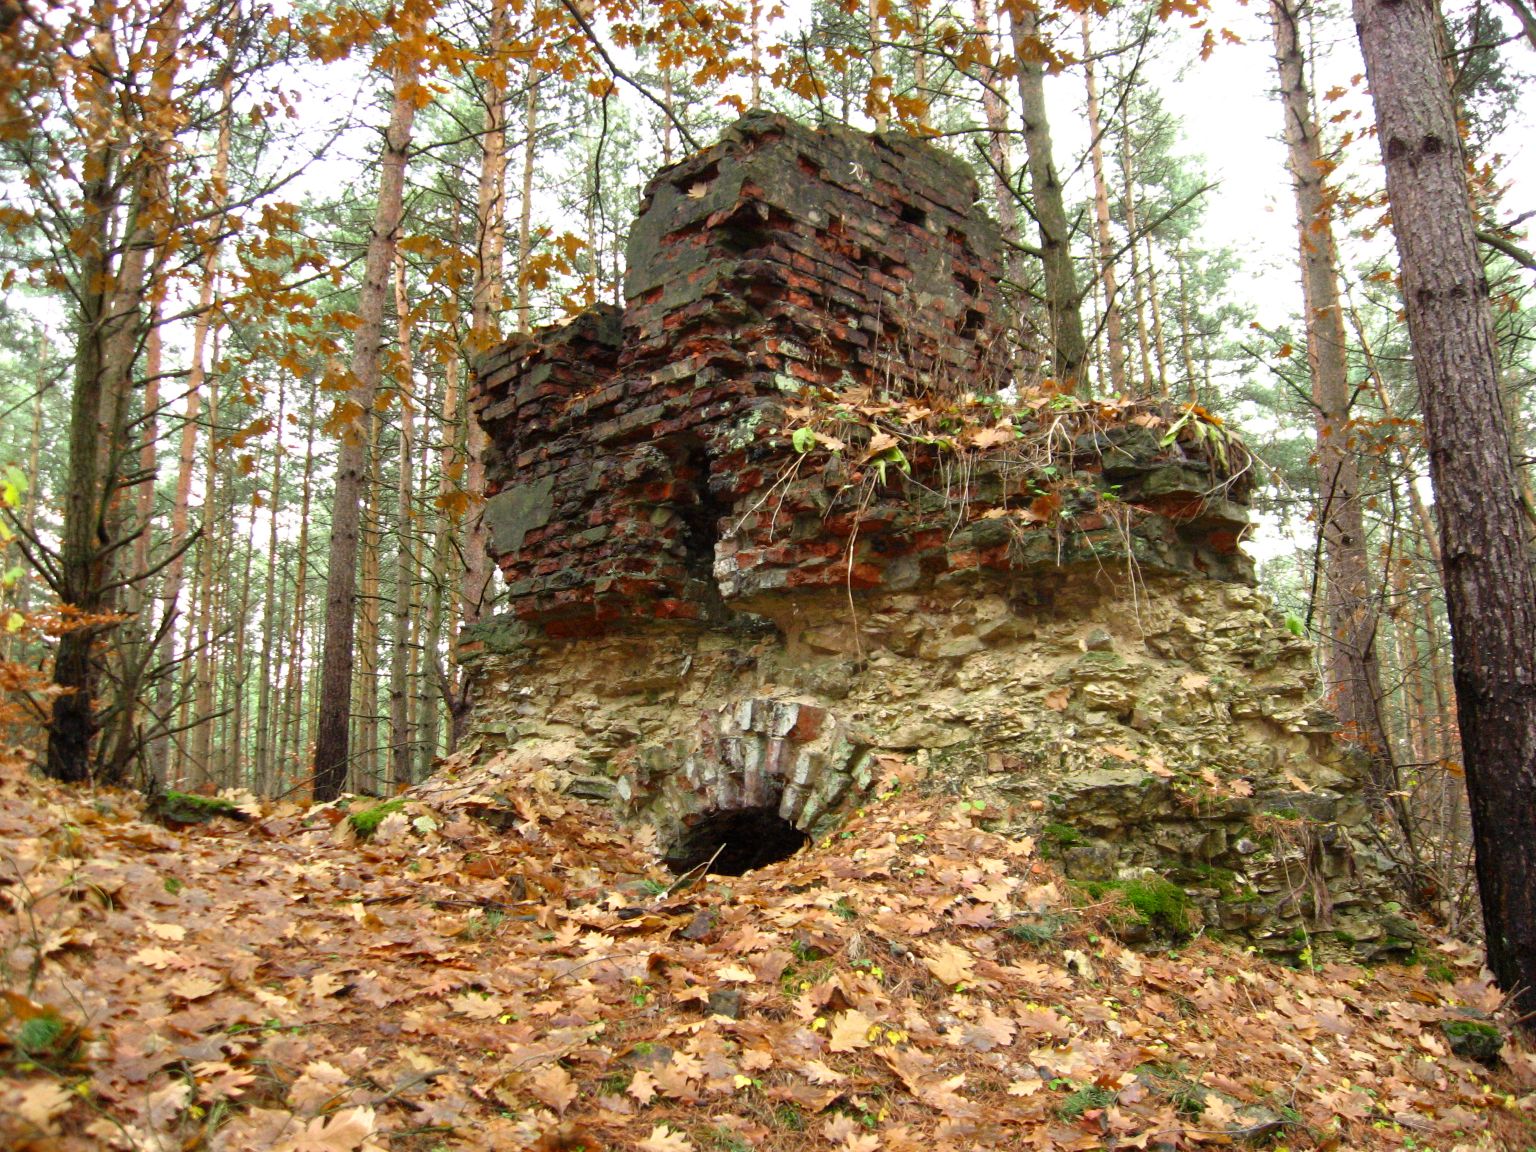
(779,257)
(733,640)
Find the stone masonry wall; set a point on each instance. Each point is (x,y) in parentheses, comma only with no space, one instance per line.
(1164,725)
(709,619)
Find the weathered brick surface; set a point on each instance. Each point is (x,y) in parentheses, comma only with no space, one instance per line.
(641,464)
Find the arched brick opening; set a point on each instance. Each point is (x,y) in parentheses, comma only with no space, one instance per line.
(744,838)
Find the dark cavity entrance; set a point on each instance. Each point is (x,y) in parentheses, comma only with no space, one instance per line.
(746,838)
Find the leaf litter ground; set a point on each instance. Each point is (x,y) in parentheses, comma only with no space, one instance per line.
(498,967)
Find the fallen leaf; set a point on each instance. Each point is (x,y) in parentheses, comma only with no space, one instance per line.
(158,958)
(346,1131)
(39,1102)
(950,964)
(642,1087)
(819,1073)
(554,1086)
(850,1031)
(663,1139)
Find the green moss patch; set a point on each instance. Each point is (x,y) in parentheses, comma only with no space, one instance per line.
(1158,903)
(364,823)
(1473,1039)
(187,808)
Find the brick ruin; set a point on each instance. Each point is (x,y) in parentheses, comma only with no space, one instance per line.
(733,638)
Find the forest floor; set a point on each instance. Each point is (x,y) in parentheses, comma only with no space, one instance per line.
(495,967)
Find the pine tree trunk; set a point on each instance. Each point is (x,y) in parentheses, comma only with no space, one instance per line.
(1063,302)
(1154,307)
(442,596)
(262,758)
(995,110)
(365,693)
(170,591)
(110,297)
(332,737)
(204,617)
(1490,589)
(877,101)
(1138,306)
(525,209)
(294,743)
(400,745)
(1114,327)
(1349,607)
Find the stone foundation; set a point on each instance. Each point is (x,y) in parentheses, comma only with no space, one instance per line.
(765,549)
(1163,724)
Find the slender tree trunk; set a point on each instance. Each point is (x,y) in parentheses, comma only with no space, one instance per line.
(1138,306)
(429,624)
(110,293)
(1186,337)
(332,738)
(877,101)
(755,19)
(1350,606)
(400,743)
(262,760)
(995,110)
(23,590)
(1063,302)
(365,694)
(1154,307)
(205,617)
(525,209)
(1490,589)
(666,148)
(170,591)
(442,594)
(295,742)
(234,766)
(1114,327)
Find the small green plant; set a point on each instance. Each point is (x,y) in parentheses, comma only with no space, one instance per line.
(789,1117)
(1174,1084)
(653,887)
(806,952)
(728,1140)
(1085,1099)
(1439,971)
(844,909)
(366,822)
(1040,929)
(614,1083)
(37,1036)
(1293,624)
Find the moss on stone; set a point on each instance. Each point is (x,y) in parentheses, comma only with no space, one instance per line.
(1061,835)
(1473,1039)
(364,823)
(187,808)
(1158,903)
